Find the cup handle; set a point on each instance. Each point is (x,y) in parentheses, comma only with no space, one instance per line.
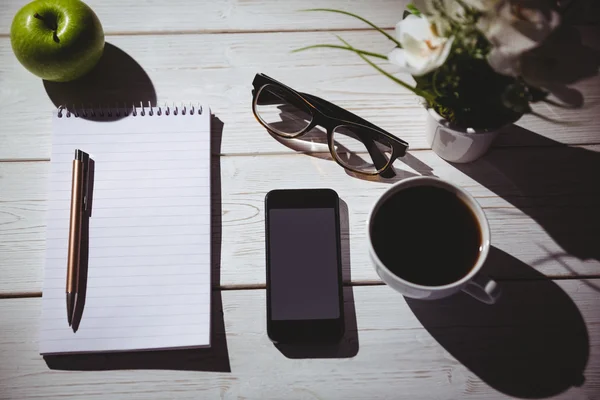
(483,289)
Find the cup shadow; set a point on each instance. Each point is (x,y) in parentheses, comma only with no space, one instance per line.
(556,185)
(532,343)
(348,346)
(117,81)
(213,359)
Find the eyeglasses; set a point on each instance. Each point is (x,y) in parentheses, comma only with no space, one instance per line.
(354,143)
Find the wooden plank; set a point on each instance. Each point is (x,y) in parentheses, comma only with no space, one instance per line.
(541,340)
(176,16)
(219,69)
(541,203)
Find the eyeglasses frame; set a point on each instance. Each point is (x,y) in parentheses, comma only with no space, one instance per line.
(330,117)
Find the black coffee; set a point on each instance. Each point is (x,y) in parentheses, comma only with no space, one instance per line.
(426,235)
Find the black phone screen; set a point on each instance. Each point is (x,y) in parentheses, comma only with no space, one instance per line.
(303,254)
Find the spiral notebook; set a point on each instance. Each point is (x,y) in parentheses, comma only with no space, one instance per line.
(147,281)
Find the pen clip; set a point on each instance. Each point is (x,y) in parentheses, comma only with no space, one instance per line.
(86,174)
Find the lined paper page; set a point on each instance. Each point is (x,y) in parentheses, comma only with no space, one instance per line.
(148,277)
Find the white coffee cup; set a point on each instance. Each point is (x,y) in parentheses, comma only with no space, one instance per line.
(477,285)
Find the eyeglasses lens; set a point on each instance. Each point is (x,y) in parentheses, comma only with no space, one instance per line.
(361,149)
(281,111)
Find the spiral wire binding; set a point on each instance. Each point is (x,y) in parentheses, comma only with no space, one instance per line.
(126,110)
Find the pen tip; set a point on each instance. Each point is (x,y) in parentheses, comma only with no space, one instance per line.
(70,308)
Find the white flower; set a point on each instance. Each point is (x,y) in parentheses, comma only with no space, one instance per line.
(444,12)
(423,50)
(440,12)
(514,29)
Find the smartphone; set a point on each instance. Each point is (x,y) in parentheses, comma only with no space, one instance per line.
(304,266)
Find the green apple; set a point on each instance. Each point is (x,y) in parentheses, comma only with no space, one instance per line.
(57,40)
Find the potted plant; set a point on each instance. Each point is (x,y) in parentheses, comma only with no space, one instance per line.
(472,65)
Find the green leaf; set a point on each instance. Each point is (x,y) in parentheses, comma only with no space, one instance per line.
(418,92)
(465,6)
(423,82)
(390,37)
(516,98)
(334,46)
(413,10)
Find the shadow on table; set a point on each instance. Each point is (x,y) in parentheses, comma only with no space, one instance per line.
(215,358)
(314,144)
(348,345)
(562,59)
(117,81)
(532,343)
(556,185)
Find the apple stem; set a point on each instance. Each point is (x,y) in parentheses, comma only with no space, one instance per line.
(50,24)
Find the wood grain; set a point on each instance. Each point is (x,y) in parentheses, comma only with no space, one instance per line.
(541,197)
(219,69)
(178,16)
(541,203)
(454,348)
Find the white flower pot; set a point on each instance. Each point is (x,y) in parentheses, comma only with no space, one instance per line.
(454,144)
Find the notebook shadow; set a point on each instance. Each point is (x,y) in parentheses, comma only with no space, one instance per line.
(348,346)
(213,359)
(117,81)
(533,343)
(84,252)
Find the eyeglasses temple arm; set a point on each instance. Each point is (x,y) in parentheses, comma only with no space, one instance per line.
(350,116)
(378,158)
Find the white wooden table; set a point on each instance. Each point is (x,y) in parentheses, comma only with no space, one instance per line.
(539,187)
